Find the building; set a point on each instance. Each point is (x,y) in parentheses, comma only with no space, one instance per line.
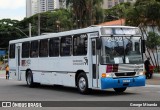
(110,3)
(120,22)
(36,6)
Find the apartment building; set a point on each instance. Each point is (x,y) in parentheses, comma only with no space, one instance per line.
(110,3)
(39,6)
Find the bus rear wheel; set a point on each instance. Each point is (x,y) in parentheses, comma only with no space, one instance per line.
(82,83)
(29,79)
(120,90)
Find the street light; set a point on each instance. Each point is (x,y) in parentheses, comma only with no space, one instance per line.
(21,31)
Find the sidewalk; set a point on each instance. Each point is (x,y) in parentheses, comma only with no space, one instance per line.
(2,74)
(155,79)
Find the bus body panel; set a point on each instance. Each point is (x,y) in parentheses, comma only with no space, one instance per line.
(54,70)
(107,83)
(12,71)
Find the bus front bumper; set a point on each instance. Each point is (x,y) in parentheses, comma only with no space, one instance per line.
(122,82)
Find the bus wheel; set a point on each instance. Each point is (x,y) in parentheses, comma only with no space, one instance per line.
(30,79)
(82,83)
(120,90)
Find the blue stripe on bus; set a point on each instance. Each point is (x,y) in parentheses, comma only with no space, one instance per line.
(122,82)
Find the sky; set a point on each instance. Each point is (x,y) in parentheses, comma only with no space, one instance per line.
(13,9)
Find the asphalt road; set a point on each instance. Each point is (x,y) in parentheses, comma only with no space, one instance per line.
(11,90)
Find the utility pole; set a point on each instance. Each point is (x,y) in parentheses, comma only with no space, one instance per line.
(91,10)
(39,24)
(30,33)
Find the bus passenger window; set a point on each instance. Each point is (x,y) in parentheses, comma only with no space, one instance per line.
(34,49)
(25,49)
(54,47)
(66,46)
(43,48)
(12,51)
(80,44)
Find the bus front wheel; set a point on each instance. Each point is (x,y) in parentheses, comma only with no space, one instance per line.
(120,90)
(82,83)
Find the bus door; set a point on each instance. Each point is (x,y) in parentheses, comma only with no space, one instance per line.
(95,63)
(18,51)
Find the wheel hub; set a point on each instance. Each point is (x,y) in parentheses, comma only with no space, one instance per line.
(82,83)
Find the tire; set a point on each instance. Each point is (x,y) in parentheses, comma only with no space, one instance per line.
(29,79)
(82,83)
(120,90)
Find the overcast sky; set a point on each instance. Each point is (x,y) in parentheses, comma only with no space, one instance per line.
(13,9)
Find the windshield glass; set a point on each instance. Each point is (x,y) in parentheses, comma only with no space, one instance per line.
(118,50)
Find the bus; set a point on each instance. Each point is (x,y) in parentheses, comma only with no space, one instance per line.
(96,57)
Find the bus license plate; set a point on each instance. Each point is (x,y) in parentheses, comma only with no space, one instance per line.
(126,81)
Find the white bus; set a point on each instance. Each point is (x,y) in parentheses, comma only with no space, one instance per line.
(98,57)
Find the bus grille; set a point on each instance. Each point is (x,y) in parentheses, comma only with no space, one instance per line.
(125,74)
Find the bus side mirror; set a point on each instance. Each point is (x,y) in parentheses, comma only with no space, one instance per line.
(98,43)
(143,46)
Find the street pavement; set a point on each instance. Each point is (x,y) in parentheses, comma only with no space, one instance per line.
(155,80)
(18,91)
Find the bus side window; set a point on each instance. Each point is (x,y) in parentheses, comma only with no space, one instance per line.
(93,48)
(34,49)
(12,51)
(80,44)
(54,47)
(43,48)
(25,49)
(66,46)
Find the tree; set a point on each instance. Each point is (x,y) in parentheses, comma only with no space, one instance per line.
(152,42)
(143,14)
(8,32)
(86,12)
(49,22)
(117,11)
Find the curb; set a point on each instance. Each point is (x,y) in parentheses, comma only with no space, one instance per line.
(156,75)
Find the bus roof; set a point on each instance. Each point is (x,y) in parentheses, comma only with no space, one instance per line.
(93,28)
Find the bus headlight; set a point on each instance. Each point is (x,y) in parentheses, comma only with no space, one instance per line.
(107,75)
(140,73)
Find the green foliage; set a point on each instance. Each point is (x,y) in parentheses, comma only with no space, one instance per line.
(156,70)
(153,40)
(8,31)
(49,21)
(116,12)
(144,12)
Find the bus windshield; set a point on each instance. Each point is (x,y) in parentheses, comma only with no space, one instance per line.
(118,50)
